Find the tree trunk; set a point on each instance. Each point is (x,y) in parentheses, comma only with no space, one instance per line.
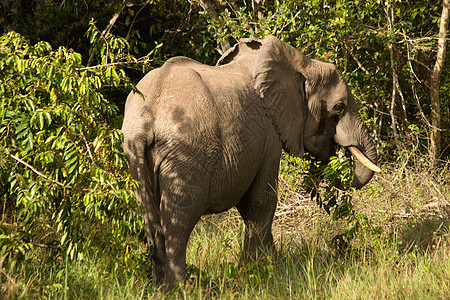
(390,18)
(213,8)
(435,139)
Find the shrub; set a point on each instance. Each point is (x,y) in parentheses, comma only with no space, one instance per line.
(63,173)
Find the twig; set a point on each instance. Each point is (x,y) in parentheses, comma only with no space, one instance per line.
(140,60)
(439,192)
(290,21)
(46,246)
(234,6)
(135,16)
(413,75)
(213,7)
(11,279)
(286,212)
(423,65)
(3,212)
(88,148)
(109,27)
(36,171)
(390,17)
(350,50)
(406,215)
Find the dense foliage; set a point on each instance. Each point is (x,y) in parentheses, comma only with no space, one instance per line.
(64,187)
(385,49)
(63,172)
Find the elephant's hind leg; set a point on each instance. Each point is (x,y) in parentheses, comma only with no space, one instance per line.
(143,169)
(181,208)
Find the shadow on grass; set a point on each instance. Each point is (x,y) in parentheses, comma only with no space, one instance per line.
(426,231)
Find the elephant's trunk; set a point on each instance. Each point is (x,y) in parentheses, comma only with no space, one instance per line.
(364,170)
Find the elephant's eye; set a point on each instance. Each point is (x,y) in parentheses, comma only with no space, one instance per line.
(339,107)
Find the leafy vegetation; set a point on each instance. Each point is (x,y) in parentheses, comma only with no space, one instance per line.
(63,173)
(401,251)
(70,226)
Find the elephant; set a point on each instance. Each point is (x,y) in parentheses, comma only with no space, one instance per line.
(202,139)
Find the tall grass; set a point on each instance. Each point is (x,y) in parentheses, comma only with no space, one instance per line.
(401,251)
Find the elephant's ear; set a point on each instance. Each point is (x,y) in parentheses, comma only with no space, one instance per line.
(244,47)
(279,78)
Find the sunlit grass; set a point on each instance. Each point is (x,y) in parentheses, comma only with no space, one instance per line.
(402,251)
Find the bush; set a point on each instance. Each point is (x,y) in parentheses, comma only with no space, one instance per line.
(63,174)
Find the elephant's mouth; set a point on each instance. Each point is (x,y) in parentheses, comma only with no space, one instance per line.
(363,159)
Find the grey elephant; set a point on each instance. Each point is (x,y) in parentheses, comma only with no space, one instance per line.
(202,139)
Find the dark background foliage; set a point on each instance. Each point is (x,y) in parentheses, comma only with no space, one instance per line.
(67,66)
(356,35)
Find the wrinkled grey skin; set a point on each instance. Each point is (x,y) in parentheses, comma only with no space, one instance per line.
(209,138)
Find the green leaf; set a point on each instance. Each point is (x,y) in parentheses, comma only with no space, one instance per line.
(41,120)
(72,166)
(48,118)
(64,237)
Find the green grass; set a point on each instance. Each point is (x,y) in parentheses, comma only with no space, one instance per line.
(402,251)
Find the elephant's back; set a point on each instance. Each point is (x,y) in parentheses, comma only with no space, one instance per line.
(206,122)
(183,107)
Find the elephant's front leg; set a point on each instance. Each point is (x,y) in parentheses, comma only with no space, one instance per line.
(257,208)
(258,240)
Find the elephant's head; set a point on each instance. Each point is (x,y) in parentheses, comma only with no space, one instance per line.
(311,105)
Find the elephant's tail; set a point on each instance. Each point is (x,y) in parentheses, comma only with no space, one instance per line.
(145,169)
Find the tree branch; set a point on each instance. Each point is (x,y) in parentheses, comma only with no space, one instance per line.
(413,87)
(88,149)
(390,16)
(37,172)
(360,65)
(135,16)
(109,27)
(118,63)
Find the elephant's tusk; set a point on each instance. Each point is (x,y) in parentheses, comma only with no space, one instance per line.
(363,159)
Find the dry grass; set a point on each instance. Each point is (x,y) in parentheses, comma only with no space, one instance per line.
(402,250)
(406,199)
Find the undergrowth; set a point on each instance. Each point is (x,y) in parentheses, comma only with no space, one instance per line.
(401,250)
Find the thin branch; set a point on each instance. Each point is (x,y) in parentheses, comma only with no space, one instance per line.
(404,214)
(402,101)
(413,87)
(37,172)
(396,89)
(257,8)
(285,25)
(212,7)
(45,246)
(135,16)
(395,73)
(118,63)
(350,50)
(109,27)
(88,149)
(422,64)
(390,16)
(234,6)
